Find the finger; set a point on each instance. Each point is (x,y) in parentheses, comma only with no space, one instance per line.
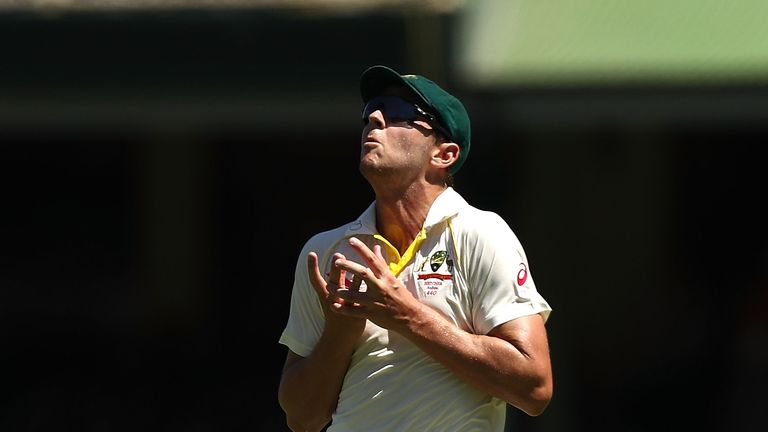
(351,302)
(376,262)
(356,282)
(315,276)
(350,297)
(361,272)
(377,252)
(337,275)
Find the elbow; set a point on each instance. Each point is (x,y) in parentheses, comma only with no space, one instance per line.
(302,420)
(537,399)
(534,399)
(297,425)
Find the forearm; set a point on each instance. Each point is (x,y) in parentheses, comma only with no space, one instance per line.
(514,369)
(310,386)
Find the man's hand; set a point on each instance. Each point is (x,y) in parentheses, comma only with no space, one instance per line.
(329,291)
(385,301)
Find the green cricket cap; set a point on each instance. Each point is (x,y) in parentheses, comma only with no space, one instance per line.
(447,109)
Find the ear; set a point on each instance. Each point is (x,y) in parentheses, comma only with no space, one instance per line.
(445,155)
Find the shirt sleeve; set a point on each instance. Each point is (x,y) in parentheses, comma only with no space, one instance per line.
(305,319)
(498,274)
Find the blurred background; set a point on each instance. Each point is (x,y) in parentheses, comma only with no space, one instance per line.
(162,163)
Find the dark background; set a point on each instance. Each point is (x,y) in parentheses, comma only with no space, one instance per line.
(160,172)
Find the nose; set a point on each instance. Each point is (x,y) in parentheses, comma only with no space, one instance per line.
(376,120)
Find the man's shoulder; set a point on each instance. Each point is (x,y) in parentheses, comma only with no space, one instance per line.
(478,218)
(329,237)
(478,224)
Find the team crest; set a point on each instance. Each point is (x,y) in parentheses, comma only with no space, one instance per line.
(437,259)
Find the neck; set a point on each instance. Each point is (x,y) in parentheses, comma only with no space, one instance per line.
(400,215)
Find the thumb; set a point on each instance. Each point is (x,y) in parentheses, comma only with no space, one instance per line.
(315,276)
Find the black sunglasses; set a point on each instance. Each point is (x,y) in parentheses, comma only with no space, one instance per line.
(395,108)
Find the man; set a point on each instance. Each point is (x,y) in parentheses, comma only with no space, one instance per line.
(421,315)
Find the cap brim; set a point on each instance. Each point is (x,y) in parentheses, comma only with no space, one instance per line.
(376,79)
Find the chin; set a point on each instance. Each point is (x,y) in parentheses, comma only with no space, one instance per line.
(370,169)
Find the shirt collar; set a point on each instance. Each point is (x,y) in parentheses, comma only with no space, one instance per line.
(364,224)
(446,205)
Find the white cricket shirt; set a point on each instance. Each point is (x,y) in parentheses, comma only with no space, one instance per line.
(467,264)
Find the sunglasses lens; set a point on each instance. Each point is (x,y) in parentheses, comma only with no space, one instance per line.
(393,108)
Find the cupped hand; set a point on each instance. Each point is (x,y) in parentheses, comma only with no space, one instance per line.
(329,293)
(385,300)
